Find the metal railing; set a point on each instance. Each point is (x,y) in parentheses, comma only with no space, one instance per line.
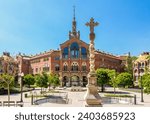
(119,100)
(52,98)
(11,104)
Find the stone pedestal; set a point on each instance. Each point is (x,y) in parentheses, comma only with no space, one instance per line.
(92,97)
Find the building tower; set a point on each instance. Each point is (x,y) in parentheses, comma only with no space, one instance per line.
(74,33)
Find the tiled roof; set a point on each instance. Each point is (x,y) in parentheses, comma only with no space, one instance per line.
(107,54)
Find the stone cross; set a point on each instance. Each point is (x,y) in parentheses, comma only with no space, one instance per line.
(92,24)
(92,96)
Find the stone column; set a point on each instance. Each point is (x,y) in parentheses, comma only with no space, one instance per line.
(69,81)
(92,97)
(61,81)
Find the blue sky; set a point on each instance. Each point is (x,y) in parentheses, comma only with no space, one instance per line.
(34,26)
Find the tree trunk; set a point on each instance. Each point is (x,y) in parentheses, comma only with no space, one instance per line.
(41,90)
(49,87)
(114,90)
(102,88)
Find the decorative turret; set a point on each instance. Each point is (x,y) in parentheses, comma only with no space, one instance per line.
(74,33)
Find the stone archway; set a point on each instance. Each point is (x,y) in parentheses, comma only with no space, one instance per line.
(84,80)
(75,80)
(65,80)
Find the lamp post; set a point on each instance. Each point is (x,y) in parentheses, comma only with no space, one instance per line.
(21,85)
(141,74)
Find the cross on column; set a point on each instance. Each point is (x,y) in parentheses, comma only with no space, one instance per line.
(92,24)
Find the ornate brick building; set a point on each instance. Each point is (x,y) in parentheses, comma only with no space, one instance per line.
(71,62)
(140,66)
(8,64)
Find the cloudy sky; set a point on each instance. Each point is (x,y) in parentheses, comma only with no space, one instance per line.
(34,26)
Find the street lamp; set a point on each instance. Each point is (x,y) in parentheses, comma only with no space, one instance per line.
(21,85)
(141,74)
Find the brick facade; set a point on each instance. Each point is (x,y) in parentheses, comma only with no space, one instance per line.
(71,62)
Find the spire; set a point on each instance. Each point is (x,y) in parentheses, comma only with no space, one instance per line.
(74,33)
(74,12)
(74,22)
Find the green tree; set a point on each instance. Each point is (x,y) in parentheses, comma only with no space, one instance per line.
(134,58)
(148,57)
(129,65)
(41,81)
(124,79)
(112,76)
(7,81)
(102,77)
(50,80)
(1,82)
(146,83)
(147,69)
(56,81)
(28,79)
(38,80)
(53,80)
(45,77)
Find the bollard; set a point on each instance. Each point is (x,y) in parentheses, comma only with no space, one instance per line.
(21,105)
(134,99)
(32,99)
(25,95)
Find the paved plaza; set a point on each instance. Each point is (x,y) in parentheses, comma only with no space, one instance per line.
(75,99)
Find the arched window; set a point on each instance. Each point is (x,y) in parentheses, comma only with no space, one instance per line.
(135,71)
(46,67)
(74,49)
(65,53)
(65,66)
(57,67)
(83,52)
(142,64)
(141,71)
(145,63)
(74,66)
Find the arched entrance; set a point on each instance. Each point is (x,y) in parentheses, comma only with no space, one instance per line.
(75,80)
(84,80)
(65,80)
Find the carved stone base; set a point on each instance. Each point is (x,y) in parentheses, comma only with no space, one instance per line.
(93,105)
(92,97)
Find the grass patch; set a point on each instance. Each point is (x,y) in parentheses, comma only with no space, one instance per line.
(131,90)
(44,94)
(14,90)
(38,96)
(118,95)
(53,91)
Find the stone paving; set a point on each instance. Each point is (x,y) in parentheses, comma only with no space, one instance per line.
(76,99)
